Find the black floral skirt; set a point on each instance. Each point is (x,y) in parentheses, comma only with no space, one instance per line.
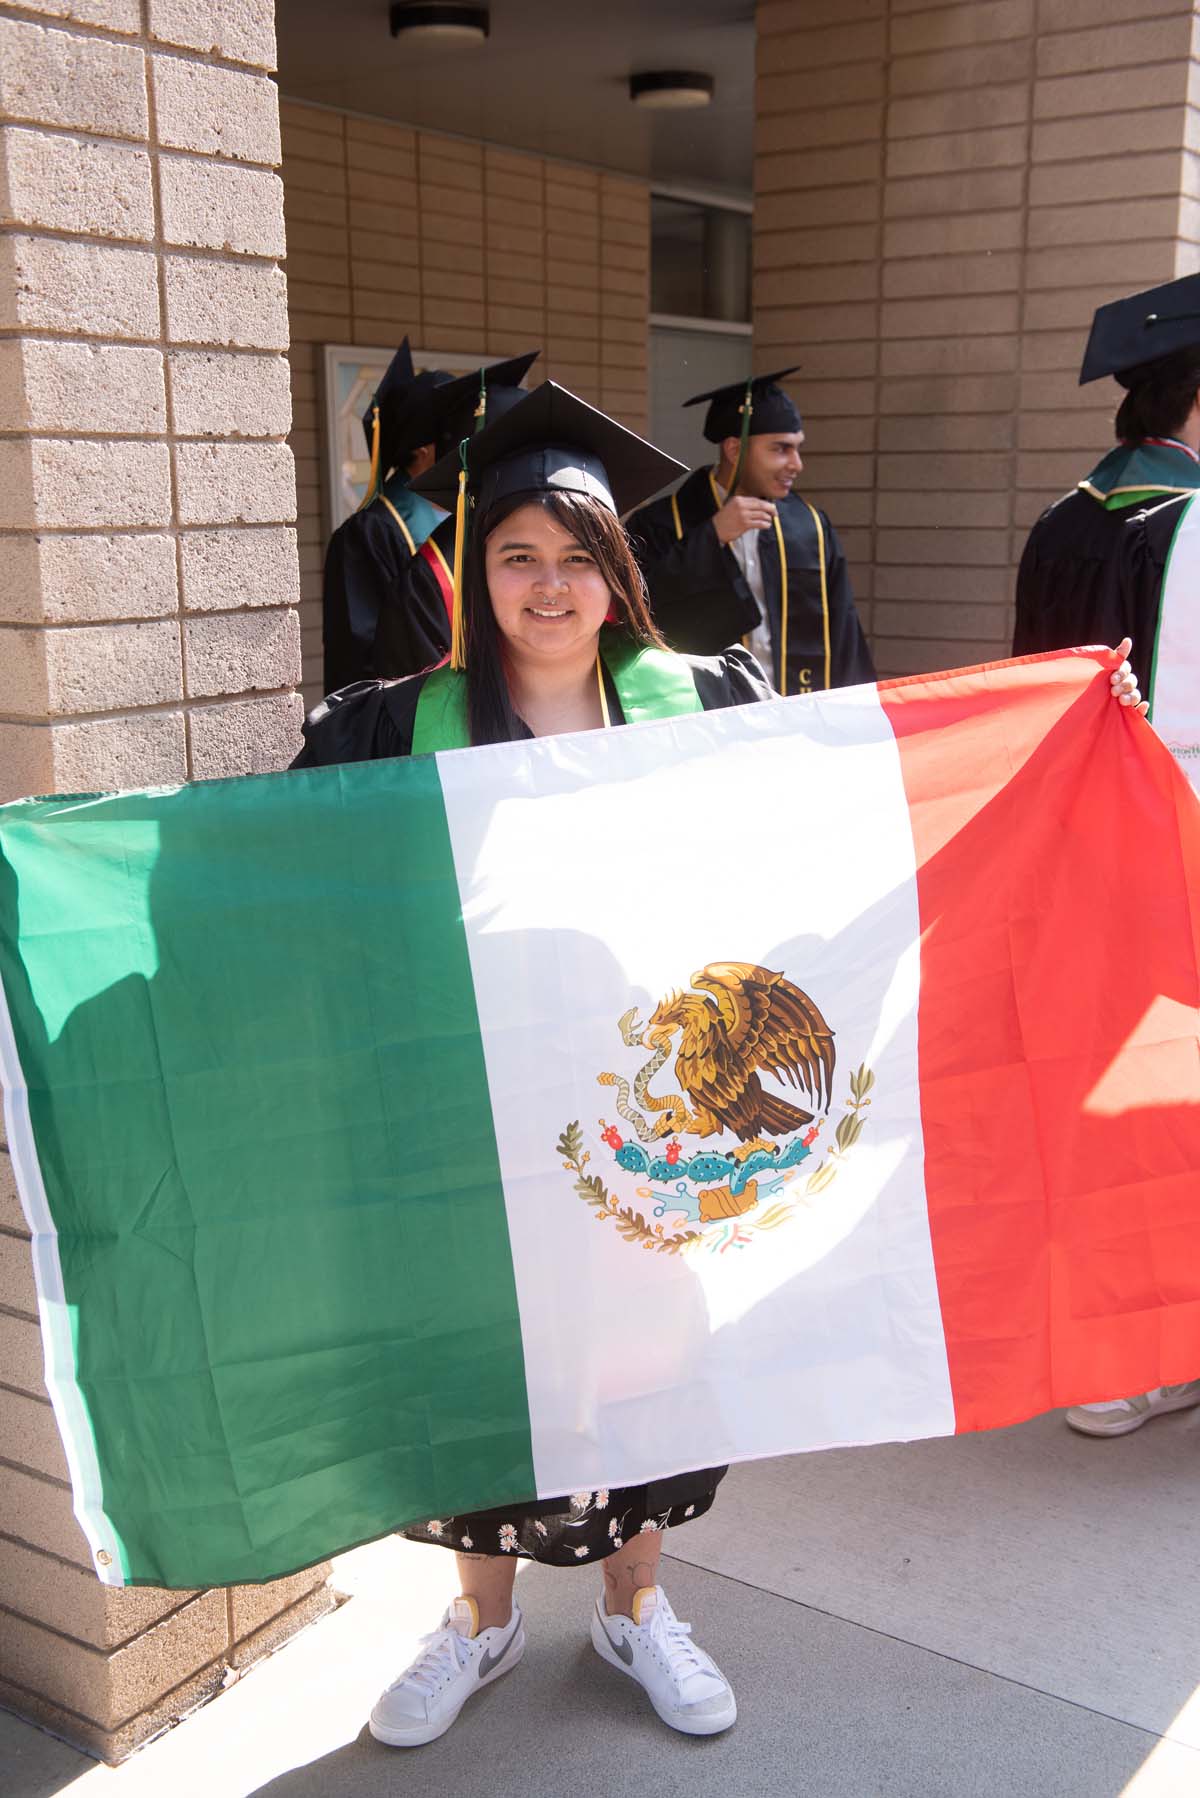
(562,1532)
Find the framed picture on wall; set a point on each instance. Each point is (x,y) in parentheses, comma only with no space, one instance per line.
(351,373)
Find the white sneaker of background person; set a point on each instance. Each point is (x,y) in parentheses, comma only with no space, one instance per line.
(1117,1416)
(685,1685)
(455,1662)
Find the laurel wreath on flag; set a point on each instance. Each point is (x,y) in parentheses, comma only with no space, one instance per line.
(632,1226)
(630,1223)
(850,1128)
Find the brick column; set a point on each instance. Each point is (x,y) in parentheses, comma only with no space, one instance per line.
(817,241)
(944,195)
(514,226)
(573,257)
(1111,207)
(625,300)
(148,633)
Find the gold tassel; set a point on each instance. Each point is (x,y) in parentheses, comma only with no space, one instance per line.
(604,711)
(373,477)
(458,624)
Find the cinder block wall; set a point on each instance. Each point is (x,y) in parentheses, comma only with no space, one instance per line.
(148,632)
(464,247)
(148,607)
(943,196)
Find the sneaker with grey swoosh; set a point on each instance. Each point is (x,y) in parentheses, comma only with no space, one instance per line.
(685,1685)
(619,1644)
(456,1661)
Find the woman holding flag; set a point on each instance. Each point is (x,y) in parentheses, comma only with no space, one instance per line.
(552,634)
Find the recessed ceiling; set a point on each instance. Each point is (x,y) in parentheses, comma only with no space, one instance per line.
(552,77)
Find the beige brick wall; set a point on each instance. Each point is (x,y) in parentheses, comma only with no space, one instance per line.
(144,397)
(148,632)
(933,232)
(466,248)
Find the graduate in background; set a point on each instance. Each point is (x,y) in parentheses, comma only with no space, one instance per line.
(736,554)
(367,554)
(1094,566)
(414,626)
(1092,569)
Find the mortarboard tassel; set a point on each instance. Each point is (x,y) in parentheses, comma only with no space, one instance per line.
(746,408)
(373,477)
(458,623)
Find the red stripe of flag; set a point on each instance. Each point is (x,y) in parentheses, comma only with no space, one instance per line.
(1062,1122)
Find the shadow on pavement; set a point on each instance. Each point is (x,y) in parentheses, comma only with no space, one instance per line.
(826,1708)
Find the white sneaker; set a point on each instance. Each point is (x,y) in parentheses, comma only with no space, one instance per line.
(1117,1416)
(685,1686)
(455,1661)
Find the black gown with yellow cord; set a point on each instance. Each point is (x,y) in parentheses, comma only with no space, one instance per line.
(802,622)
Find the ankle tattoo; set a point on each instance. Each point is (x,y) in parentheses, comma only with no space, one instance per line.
(629,1577)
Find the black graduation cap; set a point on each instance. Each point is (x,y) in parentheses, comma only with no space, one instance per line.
(392,421)
(1146,326)
(771,409)
(398,378)
(467,402)
(552,441)
(398,398)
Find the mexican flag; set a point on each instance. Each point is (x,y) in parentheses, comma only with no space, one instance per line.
(419,1136)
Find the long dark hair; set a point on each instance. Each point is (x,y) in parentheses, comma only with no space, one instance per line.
(1161,394)
(490,711)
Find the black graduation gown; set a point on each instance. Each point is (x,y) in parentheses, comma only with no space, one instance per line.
(1094,575)
(365,565)
(414,628)
(370,721)
(701,600)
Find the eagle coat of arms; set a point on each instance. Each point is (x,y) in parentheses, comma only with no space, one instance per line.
(740,1023)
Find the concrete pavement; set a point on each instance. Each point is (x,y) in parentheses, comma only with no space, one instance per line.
(1007,1615)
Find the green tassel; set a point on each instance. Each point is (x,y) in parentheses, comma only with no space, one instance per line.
(746,409)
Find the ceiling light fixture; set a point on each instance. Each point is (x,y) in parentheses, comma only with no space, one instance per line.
(440,19)
(671,90)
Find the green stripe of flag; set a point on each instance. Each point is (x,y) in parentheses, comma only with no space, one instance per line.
(257,1389)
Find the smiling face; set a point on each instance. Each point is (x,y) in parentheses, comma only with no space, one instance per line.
(772,465)
(547,592)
